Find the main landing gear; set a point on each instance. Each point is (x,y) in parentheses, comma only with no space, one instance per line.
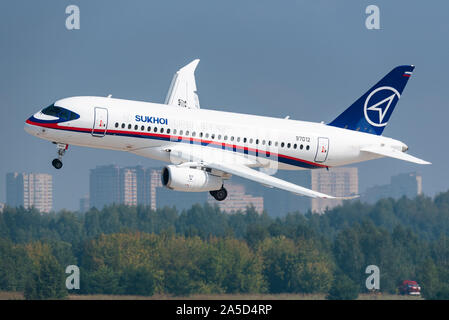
(62,147)
(219,195)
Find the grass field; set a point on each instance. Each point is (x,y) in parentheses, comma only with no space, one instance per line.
(19,296)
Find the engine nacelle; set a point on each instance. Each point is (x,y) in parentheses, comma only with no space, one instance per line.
(190,180)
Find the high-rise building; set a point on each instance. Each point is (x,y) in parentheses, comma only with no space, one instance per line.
(112,184)
(155,182)
(135,186)
(104,186)
(84,204)
(30,190)
(238,200)
(336,182)
(128,186)
(404,184)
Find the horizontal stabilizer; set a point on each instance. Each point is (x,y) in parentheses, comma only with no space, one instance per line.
(393,153)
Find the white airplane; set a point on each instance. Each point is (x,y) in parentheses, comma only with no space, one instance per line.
(206,147)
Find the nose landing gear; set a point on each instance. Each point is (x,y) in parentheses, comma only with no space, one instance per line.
(62,147)
(219,195)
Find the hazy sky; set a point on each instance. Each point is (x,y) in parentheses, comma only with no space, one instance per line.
(306,59)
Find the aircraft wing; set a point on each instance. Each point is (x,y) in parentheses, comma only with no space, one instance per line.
(393,153)
(182,92)
(230,163)
(260,177)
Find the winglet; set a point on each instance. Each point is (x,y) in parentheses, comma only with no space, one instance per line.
(182,92)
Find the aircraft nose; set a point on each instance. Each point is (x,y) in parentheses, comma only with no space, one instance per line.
(404,148)
(30,128)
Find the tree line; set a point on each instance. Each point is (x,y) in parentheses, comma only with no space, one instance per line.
(139,251)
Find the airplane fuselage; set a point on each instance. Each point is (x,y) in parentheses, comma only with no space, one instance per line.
(149,129)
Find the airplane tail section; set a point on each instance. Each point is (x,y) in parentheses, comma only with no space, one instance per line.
(371,112)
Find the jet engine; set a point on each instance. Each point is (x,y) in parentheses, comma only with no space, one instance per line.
(189,179)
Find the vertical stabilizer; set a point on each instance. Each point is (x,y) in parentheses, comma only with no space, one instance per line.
(370,113)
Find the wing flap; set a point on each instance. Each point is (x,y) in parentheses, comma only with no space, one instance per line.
(393,153)
(270,181)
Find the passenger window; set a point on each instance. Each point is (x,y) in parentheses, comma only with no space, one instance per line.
(168,130)
(116,124)
(288,145)
(135,127)
(142,128)
(162,130)
(207,135)
(129,126)
(180,132)
(225,138)
(301,146)
(282,144)
(155,129)
(193,133)
(149,129)
(174,131)
(212,136)
(307,147)
(123,126)
(257,141)
(187,132)
(251,140)
(238,139)
(244,140)
(295,146)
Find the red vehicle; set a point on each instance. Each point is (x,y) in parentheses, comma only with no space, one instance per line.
(410,287)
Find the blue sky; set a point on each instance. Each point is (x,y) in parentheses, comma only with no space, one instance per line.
(306,59)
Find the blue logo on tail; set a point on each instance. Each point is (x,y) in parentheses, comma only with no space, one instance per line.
(371,112)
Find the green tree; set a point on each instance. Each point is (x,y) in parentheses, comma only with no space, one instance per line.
(137,281)
(343,288)
(46,281)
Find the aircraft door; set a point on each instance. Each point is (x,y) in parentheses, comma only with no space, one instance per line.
(323,150)
(100,122)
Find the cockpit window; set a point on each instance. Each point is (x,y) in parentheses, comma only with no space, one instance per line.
(59,112)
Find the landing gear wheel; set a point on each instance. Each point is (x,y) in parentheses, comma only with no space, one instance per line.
(219,195)
(57,163)
(61,148)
